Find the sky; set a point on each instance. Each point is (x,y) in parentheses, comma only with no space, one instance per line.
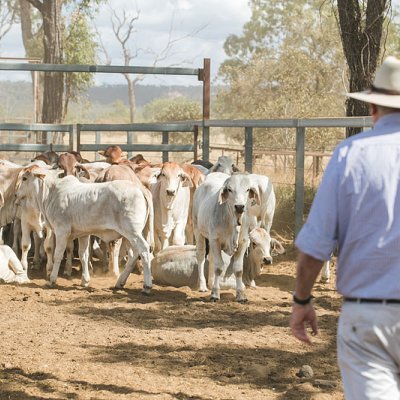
(198,29)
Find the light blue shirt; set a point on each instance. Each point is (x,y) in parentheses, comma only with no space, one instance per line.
(357,208)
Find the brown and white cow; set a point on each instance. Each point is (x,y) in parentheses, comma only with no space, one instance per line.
(171,199)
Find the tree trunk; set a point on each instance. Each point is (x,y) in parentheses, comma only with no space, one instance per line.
(27,38)
(131,98)
(53,89)
(361,33)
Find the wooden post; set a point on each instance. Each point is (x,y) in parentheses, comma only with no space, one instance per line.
(299,185)
(204,75)
(165,140)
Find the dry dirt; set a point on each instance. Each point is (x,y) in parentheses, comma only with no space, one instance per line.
(97,343)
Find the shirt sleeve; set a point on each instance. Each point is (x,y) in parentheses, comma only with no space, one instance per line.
(318,236)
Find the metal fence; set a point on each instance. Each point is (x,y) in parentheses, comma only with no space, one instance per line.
(247,127)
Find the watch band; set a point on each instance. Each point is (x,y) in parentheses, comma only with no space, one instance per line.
(302,302)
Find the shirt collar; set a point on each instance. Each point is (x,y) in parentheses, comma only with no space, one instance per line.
(392,119)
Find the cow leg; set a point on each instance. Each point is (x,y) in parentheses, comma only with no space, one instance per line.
(26,244)
(114,249)
(68,261)
(61,244)
(219,269)
(84,257)
(49,249)
(139,245)
(96,249)
(179,234)
(16,235)
(201,258)
(238,271)
(37,239)
(104,248)
(133,257)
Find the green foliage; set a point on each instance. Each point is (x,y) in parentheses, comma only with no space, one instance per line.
(80,48)
(177,109)
(288,63)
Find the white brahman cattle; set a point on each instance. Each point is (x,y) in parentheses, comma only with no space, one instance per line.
(74,209)
(224,164)
(177,265)
(11,269)
(220,209)
(171,199)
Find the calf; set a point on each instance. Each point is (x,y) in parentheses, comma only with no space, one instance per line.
(73,209)
(220,215)
(171,199)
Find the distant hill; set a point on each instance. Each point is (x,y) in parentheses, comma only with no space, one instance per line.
(107,94)
(21,92)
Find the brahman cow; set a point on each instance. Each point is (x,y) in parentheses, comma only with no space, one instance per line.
(171,199)
(124,172)
(224,164)
(177,265)
(220,208)
(113,154)
(74,209)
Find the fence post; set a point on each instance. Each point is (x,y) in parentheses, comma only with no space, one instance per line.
(97,141)
(165,140)
(195,142)
(248,149)
(206,143)
(129,140)
(299,184)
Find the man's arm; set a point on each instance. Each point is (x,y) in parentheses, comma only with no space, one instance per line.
(307,272)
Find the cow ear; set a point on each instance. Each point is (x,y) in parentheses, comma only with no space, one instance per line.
(254,194)
(186,181)
(223,195)
(38,174)
(277,247)
(101,152)
(235,168)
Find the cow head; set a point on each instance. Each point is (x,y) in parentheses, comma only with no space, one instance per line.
(225,165)
(172,177)
(113,154)
(236,191)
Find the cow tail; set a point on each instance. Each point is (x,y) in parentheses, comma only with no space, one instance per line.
(149,226)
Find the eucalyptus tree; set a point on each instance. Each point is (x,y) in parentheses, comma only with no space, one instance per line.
(57,31)
(363,28)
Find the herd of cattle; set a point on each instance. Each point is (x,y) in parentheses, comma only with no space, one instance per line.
(198,225)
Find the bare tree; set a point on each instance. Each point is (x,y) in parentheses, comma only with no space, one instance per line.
(361,26)
(8,15)
(123,26)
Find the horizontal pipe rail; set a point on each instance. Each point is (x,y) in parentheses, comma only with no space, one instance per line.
(106,69)
(141,147)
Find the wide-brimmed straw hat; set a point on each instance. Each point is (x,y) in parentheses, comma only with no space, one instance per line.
(385,90)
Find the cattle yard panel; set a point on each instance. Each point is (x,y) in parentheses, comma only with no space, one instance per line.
(49,130)
(129,131)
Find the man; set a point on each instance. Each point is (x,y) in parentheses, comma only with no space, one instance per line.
(357,208)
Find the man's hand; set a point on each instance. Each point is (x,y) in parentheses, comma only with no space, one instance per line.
(301,317)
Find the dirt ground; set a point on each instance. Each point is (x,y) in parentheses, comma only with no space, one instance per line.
(97,343)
